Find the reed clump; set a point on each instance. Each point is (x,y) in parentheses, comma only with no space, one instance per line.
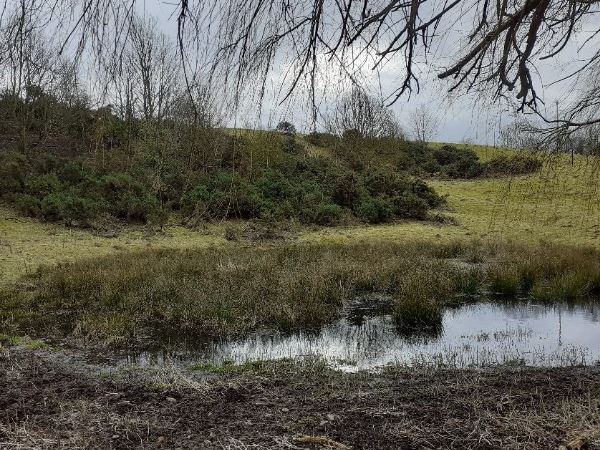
(545,272)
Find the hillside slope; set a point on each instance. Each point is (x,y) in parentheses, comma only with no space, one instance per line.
(559,204)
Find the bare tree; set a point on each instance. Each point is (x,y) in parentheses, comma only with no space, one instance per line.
(145,76)
(66,84)
(521,134)
(496,53)
(362,113)
(424,124)
(29,55)
(155,66)
(27,71)
(197,106)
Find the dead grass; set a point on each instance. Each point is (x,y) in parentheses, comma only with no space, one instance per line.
(142,295)
(513,409)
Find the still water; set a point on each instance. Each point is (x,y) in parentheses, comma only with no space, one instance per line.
(479,334)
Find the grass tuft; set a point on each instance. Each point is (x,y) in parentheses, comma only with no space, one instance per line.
(216,291)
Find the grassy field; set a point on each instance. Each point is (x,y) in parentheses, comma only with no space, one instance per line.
(26,244)
(560,204)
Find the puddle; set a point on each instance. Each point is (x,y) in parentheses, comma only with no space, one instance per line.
(480,334)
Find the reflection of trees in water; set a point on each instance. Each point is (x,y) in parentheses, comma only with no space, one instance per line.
(369,340)
(590,310)
(519,310)
(365,306)
(525,310)
(375,337)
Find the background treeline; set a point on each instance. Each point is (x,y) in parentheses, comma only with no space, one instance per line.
(141,171)
(82,165)
(157,149)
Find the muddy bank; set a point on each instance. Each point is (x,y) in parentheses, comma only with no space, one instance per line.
(50,401)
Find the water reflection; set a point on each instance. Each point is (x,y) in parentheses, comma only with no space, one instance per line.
(472,335)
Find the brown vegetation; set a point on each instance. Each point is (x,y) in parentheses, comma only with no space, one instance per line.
(49,401)
(235,289)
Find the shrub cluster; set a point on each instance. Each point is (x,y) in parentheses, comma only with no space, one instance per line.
(453,162)
(244,178)
(57,189)
(76,164)
(456,163)
(414,157)
(447,161)
(312,190)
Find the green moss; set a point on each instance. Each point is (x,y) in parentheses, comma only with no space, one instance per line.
(26,342)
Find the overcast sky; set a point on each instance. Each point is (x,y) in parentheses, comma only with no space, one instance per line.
(461,118)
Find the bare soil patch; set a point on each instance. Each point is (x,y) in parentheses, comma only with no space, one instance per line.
(47,402)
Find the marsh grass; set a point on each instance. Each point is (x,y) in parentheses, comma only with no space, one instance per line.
(216,291)
(413,314)
(546,272)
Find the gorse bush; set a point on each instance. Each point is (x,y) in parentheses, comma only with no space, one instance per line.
(256,175)
(76,195)
(312,190)
(42,185)
(457,163)
(128,198)
(68,207)
(375,210)
(13,171)
(286,128)
(292,146)
(223,194)
(418,158)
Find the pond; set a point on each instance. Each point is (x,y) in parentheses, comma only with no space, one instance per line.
(472,335)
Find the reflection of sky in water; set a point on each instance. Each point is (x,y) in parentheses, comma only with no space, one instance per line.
(476,334)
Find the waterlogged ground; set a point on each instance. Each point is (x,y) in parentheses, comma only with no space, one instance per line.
(366,338)
(54,397)
(53,400)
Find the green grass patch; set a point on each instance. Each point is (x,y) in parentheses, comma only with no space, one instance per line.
(7,340)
